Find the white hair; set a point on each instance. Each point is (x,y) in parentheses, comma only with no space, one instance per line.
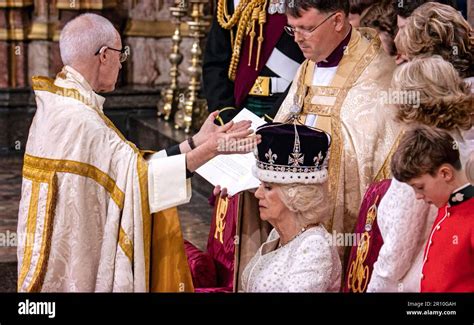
(308,201)
(83,36)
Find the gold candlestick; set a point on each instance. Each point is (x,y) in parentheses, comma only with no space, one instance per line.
(169,105)
(192,113)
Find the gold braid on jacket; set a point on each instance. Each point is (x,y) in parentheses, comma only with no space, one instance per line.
(226,21)
(246,14)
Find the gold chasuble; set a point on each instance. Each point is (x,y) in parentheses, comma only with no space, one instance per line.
(84,220)
(353,109)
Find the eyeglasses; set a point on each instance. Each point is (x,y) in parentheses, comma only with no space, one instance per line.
(304,32)
(124,52)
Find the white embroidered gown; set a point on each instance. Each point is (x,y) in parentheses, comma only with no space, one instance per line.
(308,263)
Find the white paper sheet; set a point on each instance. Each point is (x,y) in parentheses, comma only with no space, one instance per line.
(233,172)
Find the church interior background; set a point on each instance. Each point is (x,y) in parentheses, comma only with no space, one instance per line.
(29,35)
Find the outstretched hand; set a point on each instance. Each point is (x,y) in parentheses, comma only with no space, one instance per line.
(209,128)
(232,138)
(213,140)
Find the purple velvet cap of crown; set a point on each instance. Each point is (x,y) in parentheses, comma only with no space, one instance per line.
(291,153)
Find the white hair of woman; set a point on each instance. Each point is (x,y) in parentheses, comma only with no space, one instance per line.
(84,36)
(309,202)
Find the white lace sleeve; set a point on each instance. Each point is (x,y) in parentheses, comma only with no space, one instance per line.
(313,267)
(401,219)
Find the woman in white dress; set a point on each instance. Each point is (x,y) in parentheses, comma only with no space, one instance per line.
(298,255)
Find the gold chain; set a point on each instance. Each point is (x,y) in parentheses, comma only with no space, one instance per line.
(242,30)
(226,21)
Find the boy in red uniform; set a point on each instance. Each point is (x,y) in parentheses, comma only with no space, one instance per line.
(428,160)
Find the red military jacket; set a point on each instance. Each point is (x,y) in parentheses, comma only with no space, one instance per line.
(448,264)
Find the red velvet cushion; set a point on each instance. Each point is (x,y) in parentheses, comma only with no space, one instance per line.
(201,264)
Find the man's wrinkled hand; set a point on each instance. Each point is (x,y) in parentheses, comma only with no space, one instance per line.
(233,138)
(209,128)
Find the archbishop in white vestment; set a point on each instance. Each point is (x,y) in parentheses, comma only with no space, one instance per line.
(84,219)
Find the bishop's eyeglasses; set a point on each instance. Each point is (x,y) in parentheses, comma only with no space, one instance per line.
(306,32)
(124,52)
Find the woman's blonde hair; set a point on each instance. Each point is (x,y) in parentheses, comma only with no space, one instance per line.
(443,99)
(308,202)
(434,28)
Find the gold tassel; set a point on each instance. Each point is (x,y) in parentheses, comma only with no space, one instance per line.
(262,19)
(243,29)
(255,15)
(229,21)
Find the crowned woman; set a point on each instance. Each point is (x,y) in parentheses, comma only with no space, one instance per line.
(298,255)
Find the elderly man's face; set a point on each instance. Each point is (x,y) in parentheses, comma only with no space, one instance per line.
(110,67)
(318,44)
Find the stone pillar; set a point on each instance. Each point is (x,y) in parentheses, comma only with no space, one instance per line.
(19,24)
(4,52)
(14,23)
(41,36)
(148,33)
